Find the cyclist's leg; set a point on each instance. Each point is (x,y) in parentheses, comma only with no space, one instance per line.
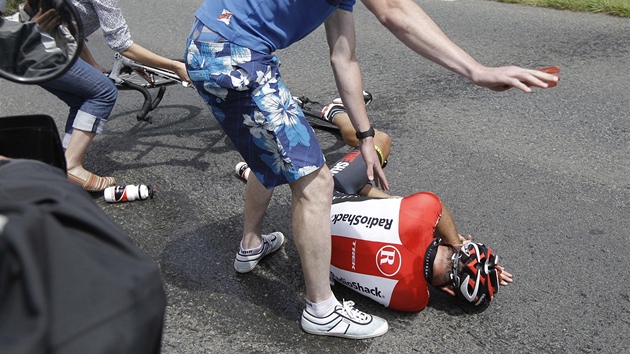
(382,140)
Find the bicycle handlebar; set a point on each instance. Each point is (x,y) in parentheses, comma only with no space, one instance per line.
(147,73)
(148,104)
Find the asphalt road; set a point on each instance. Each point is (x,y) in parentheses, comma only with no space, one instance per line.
(542,178)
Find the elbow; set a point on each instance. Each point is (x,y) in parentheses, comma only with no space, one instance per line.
(388,20)
(388,12)
(395,15)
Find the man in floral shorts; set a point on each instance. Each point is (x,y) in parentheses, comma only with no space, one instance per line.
(230,61)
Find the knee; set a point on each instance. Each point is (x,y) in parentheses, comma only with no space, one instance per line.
(387,138)
(110,94)
(317,185)
(383,138)
(323,182)
(326,179)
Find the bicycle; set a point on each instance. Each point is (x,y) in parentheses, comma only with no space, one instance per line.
(129,74)
(313,111)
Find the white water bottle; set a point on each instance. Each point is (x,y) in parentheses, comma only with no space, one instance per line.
(128,193)
(242,170)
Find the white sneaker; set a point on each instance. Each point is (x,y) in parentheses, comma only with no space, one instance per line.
(346,322)
(246,260)
(242,170)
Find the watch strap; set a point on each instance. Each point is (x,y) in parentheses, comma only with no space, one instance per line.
(365,134)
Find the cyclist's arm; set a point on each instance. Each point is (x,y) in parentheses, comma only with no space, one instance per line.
(142,55)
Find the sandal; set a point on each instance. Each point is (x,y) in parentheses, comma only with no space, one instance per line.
(93,183)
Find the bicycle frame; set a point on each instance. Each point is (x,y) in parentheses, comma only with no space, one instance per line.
(133,75)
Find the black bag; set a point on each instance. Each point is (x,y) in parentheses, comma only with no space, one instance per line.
(71,280)
(32,137)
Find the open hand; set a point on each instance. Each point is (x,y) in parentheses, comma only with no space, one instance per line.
(505,77)
(374,170)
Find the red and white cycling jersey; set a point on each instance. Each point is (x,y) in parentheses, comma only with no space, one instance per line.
(379,246)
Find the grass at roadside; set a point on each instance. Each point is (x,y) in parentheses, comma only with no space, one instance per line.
(619,8)
(12,6)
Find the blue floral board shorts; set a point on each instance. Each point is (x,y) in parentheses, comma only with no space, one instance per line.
(256,111)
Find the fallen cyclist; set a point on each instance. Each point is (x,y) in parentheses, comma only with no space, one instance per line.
(391,248)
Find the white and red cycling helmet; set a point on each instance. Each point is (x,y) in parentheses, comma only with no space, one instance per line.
(475,275)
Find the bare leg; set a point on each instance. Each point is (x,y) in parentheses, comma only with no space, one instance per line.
(381,139)
(310,206)
(370,191)
(257,199)
(75,152)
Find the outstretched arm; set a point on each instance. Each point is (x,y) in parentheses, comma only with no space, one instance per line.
(147,57)
(413,27)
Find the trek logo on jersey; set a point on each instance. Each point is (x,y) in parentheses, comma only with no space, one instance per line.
(388,260)
(225,17)
(375,291)
(367,221)
(354,255)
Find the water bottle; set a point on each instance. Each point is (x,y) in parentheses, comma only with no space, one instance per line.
(242,170)
(128,193)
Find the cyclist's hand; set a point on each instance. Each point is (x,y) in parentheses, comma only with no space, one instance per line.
(48,20)
(180,69)
(465,240)
(505,77)
(506,277)
(374,171)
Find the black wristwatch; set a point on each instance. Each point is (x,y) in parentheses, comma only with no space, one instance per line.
(365,134)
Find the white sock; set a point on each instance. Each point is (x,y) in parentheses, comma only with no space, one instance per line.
(324,308)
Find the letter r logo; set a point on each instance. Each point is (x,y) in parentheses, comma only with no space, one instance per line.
(387,257)
(388,260)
